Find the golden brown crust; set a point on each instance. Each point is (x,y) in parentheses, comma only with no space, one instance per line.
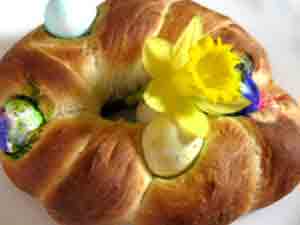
(62,86)
(77,55)
(181,13)
(216,190)
(12,81)
(280,137)
(126,26)
(276,130)
(107,182)
(263,170)
(59,145)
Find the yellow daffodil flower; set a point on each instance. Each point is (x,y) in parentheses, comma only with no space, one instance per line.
(216,81)
(193,75)
(165,93)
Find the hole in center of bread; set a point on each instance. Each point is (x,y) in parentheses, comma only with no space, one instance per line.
(119,110)
(123,108)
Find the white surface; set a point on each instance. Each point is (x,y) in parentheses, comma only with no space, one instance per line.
(274,22)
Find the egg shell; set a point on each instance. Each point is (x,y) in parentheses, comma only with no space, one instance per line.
(166,152)
(69,18)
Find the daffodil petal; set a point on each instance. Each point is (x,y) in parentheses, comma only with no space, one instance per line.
(158,95)
(183,83)
(156,57)
(153,101)
(192,121)
(189,37)
(221,109)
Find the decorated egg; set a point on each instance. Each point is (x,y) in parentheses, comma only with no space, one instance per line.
(18,120)
(69,18)
(167,151)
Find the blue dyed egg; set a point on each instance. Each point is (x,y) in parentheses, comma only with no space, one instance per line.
(69,18)
(18,119)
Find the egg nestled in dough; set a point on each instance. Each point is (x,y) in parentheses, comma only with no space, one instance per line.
(167,151)
(69,18)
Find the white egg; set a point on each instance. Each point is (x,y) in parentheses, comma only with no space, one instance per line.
(69,18)
(144,113)
(167,152)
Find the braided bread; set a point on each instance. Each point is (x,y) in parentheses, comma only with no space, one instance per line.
(87,170)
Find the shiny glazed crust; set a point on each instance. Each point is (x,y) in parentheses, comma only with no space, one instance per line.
(88,171)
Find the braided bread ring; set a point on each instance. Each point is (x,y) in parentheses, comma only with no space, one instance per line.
(89,171)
